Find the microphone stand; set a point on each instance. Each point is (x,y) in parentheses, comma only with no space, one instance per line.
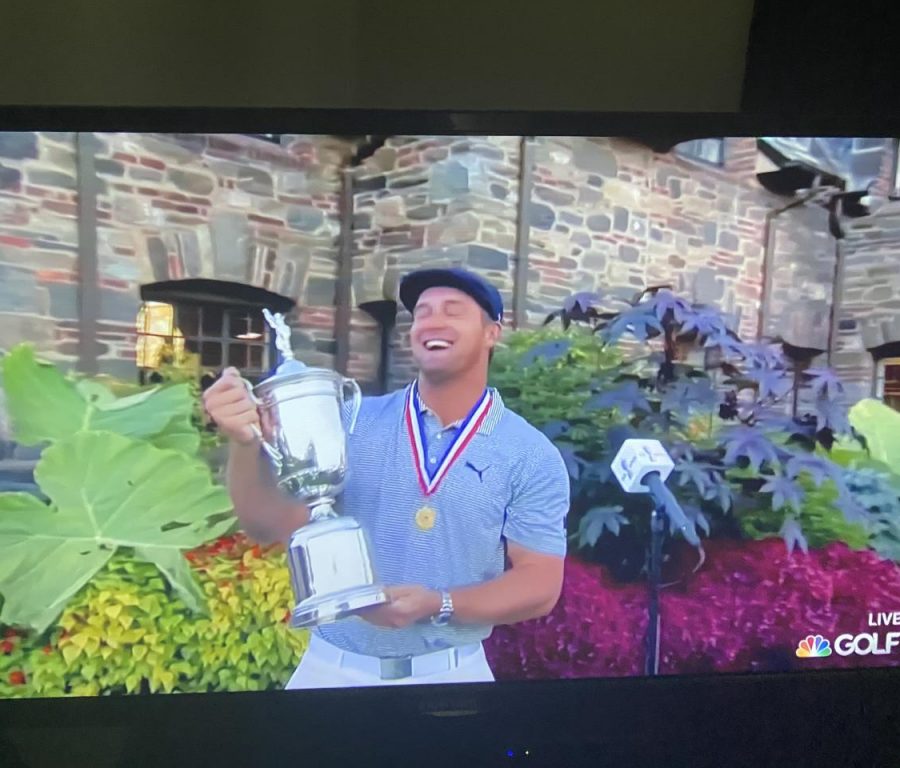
(654,573)
(665,505)
(639,466)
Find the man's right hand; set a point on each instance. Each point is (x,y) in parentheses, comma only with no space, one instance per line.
(230,406)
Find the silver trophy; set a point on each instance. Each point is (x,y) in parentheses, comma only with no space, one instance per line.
(306,414)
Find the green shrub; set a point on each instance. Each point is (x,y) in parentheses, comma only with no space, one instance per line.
(127,631)
(821,519)
(546,392)
(15,652)
(871,478)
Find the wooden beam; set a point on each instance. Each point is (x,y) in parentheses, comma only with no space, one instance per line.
(88,274)
(837,294)
(523,233)
(344,288)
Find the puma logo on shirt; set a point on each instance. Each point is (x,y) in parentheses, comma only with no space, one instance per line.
(480,472)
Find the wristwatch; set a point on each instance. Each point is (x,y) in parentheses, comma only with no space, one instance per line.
(442,617)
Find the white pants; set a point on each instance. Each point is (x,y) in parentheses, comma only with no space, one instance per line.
(324,666)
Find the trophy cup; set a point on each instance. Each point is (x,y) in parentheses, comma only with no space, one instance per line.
(302,412)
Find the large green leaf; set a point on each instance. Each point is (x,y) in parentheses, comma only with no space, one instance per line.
(880,425)
(107,491)
(41,402)
(45,406)
(39,574)
(180,434)
(176,569)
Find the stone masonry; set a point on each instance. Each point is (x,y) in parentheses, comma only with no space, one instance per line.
(605,214)
(430,202)
(38,240)
(870,302)
(233,208)
(613,216)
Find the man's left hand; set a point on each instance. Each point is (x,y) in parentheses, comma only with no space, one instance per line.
(406,605)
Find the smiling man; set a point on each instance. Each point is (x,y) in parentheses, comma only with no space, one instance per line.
(463,500)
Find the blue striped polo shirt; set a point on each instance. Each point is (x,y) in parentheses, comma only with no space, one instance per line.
(509,484)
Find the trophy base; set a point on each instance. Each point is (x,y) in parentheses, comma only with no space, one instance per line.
(339,605)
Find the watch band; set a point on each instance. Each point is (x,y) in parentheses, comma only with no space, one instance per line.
(443,616)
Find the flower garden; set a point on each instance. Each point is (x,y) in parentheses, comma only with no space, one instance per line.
(799,509)
(124,572)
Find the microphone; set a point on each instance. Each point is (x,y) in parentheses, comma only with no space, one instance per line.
(643,466)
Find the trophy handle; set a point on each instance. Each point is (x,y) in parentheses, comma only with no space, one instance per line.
(355,398)
(270,449)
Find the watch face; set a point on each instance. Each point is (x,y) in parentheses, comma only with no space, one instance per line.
(441,619)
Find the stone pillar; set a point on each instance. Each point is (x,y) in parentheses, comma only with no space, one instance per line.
(870,311)
(802,264)
(429,201)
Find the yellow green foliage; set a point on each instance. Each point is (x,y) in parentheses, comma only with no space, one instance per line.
(128,632)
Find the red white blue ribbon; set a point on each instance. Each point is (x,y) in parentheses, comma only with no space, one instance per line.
(430,480)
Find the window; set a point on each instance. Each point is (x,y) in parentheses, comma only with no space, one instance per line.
(887,381)
(219,336)
(706,150)
(855,161)
(264,259)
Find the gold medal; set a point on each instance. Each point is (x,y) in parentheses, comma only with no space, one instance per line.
(425,518)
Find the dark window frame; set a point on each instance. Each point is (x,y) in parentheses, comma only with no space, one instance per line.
(224,338)
(194,342)
(889,395)
(232,299)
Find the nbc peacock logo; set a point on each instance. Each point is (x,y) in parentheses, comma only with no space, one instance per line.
(812,647)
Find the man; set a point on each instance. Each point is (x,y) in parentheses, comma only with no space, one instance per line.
(464,501)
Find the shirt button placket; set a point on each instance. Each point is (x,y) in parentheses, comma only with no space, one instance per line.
(433,458)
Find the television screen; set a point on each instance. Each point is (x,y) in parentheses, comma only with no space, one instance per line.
(322,411)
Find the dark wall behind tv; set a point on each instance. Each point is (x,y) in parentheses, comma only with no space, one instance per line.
(464,54)
(809,58)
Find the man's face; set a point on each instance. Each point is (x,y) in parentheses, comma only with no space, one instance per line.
(451,333)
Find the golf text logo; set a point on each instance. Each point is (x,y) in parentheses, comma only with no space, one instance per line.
(862,644)
(813,646)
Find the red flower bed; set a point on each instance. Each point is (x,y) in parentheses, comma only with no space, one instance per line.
(745,610)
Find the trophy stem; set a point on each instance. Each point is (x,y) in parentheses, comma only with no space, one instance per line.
(322,510)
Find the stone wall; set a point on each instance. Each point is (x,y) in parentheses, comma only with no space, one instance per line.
(870,303)
(233,208)
(429,201)
(610,215)
(614,216)
(38,241)
(604,214)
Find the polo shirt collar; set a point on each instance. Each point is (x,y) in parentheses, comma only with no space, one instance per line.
(490,420)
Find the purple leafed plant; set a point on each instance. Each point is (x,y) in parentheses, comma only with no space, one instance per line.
(729,421)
